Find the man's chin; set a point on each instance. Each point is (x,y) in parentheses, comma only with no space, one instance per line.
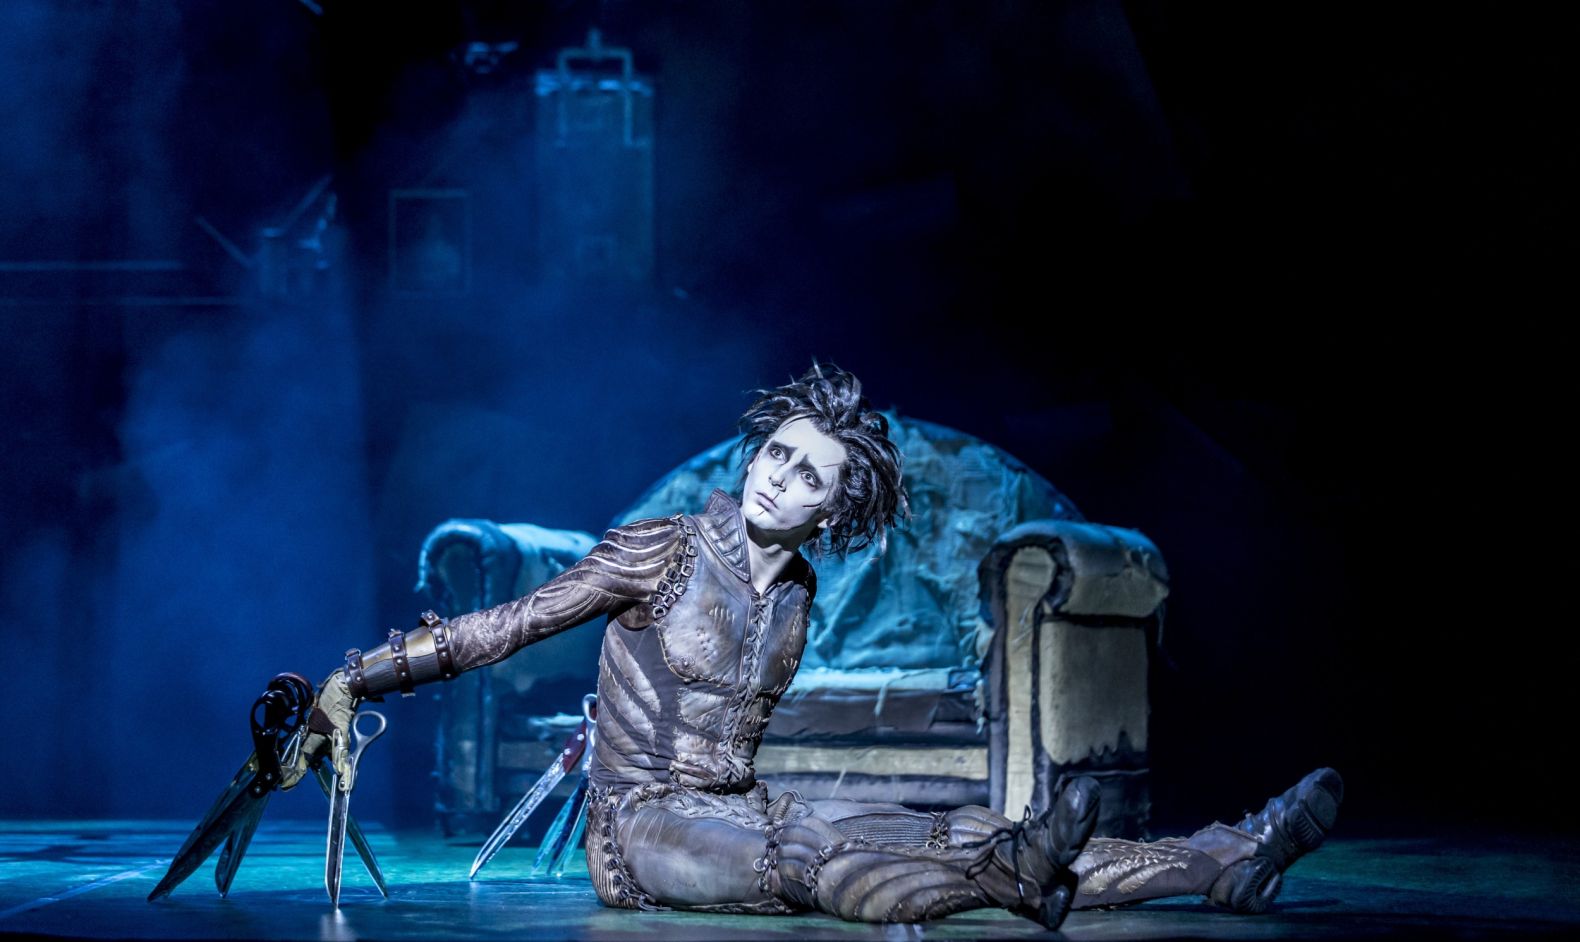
(766,522)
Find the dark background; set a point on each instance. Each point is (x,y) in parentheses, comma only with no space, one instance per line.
(1280,285)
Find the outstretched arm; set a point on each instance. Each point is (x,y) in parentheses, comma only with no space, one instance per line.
(620,572)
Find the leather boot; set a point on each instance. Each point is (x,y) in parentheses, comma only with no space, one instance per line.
(1239,867)
(1288,827)
(1058,837)
(1022,867)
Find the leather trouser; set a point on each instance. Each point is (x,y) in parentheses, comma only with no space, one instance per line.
(680,848)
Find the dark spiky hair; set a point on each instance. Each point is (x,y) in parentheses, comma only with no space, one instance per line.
(870,495)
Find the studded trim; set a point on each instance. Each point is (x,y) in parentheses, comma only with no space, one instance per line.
(355,682)
(397,642)
(439,628)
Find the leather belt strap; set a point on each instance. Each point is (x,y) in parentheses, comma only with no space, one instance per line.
(402,665)
(438,627)
(355,682)
(319,722)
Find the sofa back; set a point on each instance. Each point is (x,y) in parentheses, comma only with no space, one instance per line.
(916,606)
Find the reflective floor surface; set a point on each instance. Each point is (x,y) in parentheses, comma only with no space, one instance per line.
(88,879)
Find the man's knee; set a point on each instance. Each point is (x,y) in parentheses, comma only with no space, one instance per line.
(878,822)
(681,861)
(969,824)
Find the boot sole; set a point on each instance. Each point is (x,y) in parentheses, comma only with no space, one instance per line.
(1073,829)
(1254,884)
(1316,809)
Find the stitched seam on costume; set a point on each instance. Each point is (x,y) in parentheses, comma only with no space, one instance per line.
(814,868)
(735,711)
(768,863)
(792,664)
(628,891)
(684,558)
(938,839)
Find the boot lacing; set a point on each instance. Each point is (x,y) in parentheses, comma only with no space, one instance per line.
(1016,835)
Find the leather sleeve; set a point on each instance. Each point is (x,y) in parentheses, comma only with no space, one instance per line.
(622,570)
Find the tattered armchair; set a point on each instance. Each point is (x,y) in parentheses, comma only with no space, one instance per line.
(1000,644)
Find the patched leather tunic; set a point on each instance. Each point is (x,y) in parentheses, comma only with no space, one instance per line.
(693,660)
(688,679)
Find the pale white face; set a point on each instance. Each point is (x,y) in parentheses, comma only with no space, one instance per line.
(791,477)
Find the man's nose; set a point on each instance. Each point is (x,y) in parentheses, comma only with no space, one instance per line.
(777,478)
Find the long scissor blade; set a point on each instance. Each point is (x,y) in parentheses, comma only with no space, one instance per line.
(517,817)
(562,831)
(568,826)
(579,816)
(552,839)
(365,851)
(574,751)
(354,831)
(339,809)
(236,846)
(228,813)
(238,784)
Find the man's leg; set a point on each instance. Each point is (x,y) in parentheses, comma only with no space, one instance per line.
(887,863)
(696,851)
(686,849)
(1239,867)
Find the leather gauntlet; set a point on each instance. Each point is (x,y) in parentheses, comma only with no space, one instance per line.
(409,658)
(620,572)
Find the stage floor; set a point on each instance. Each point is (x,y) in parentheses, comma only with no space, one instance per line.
(88,879)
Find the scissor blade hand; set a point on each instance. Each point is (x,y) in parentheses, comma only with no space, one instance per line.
(355,741)
(365,851)
(370,863)
(236,846)
(240,783)
(334,856)
(560,832)
(517,817)
(229,812)
(552,838)
(579,817)
(574,751)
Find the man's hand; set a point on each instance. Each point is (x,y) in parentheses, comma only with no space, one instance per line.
(328,730)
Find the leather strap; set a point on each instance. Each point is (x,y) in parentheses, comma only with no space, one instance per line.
(441,642)
(402,665)
(319,722)
(355,682)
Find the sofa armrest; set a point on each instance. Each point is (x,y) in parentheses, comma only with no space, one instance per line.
(1069,607)
(466,565)
(1100,570)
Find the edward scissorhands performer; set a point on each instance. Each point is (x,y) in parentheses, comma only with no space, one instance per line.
(707,619)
